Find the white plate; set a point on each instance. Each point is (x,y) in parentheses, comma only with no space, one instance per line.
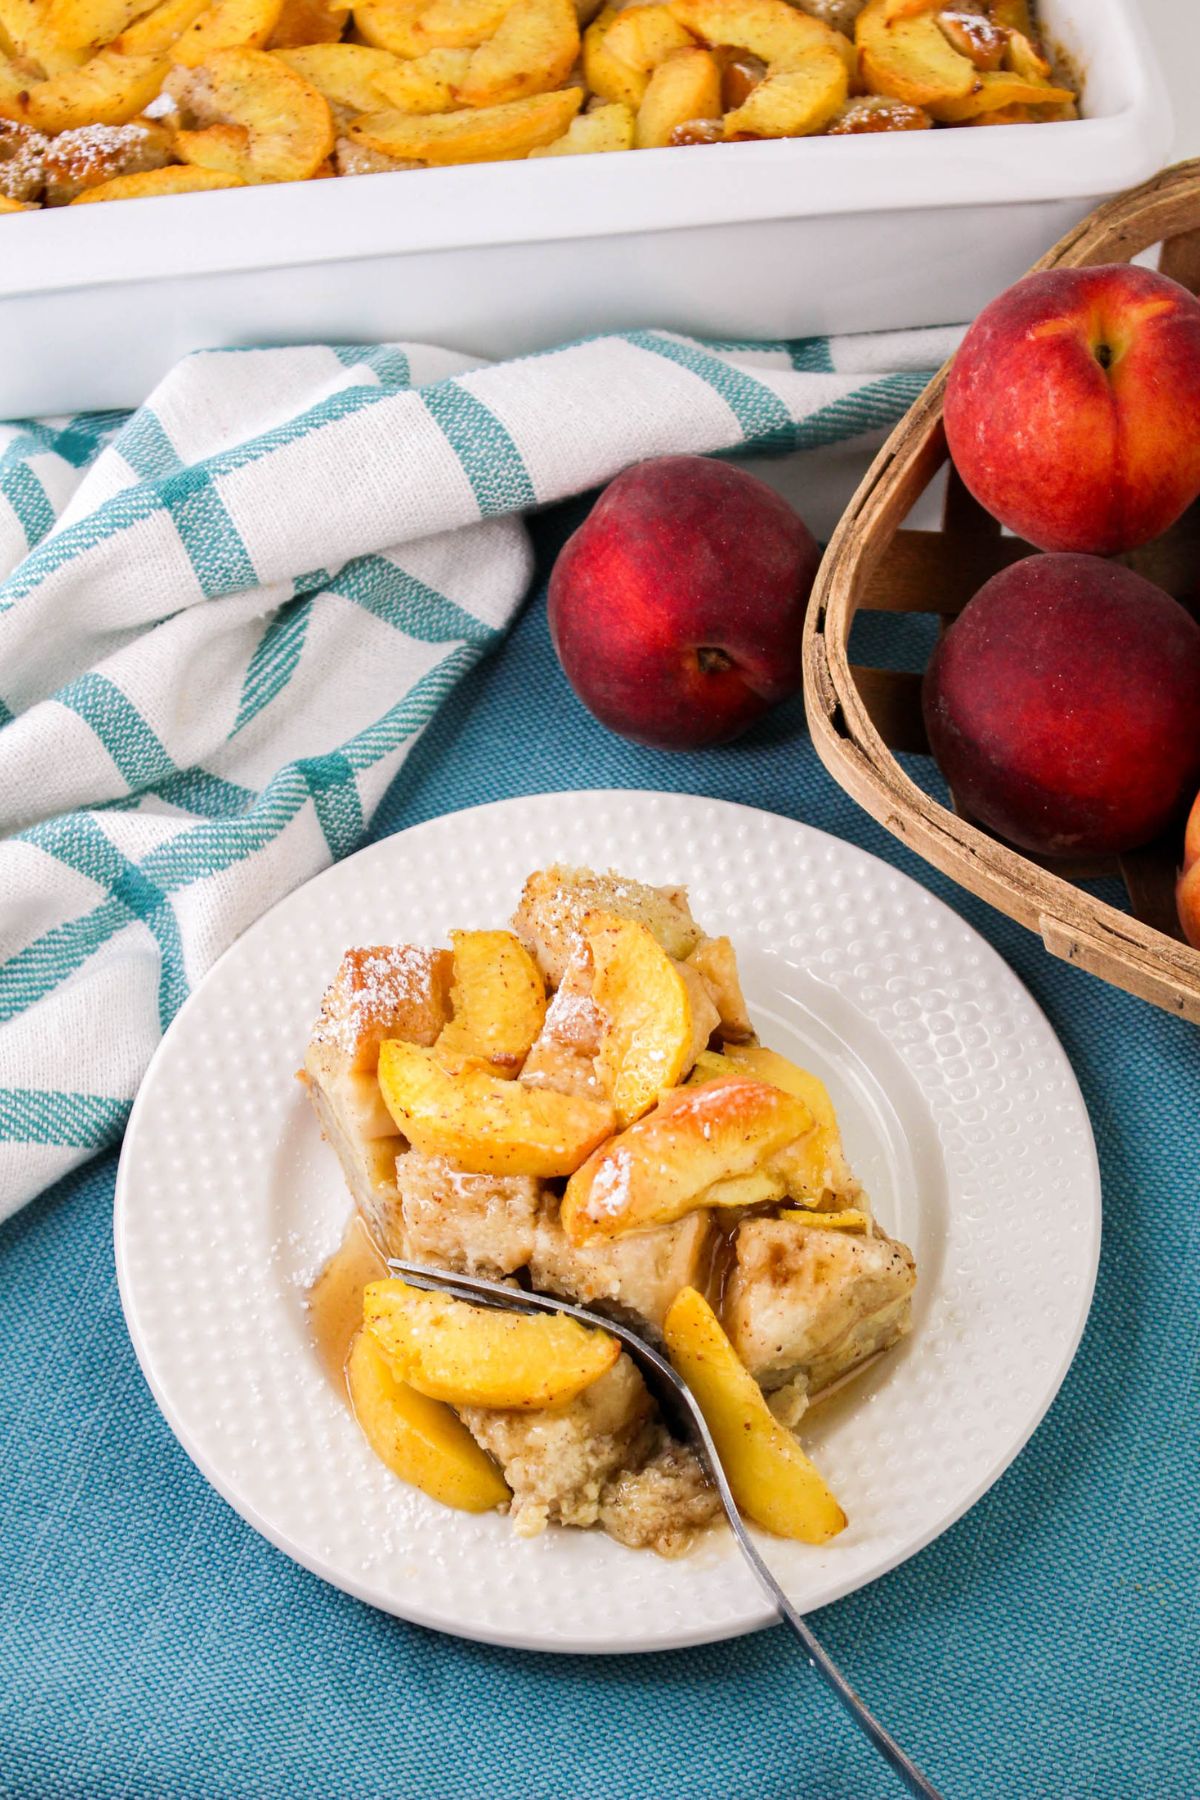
(960,1114)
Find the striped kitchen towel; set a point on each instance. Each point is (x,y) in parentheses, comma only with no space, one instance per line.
(225,617)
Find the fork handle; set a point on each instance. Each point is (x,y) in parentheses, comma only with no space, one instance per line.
(820,1660)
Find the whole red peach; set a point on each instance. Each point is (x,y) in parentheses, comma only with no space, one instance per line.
(1187,893)
(676,608)
(1063,705)
(1073,407)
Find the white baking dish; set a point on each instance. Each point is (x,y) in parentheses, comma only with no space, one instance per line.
(756,240)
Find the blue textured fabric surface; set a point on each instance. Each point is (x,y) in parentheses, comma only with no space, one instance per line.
(1044,1649)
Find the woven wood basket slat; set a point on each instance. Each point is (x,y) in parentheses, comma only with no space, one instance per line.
(861,717)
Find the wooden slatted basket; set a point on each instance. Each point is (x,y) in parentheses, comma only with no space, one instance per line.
(859,717)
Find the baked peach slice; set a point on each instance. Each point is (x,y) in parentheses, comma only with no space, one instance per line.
(156,31)
(658,1014)
(643,36)
(84,25)
(155,184)
(534,49)
(388,25)
(487,1125)
(497,999)
(779,34)
(420,84)
(27,31)
(479,1356)
(910,58)
(815,1166)
(110,89)
(848,1219)
(269,123)
(310,22)
(347,74)
(997,92)
(419,1439)
(458,24)
(773,1481)
(610,77)
(229,25)
(608,128)
(476,134)
(793,102)
(712,1145)
(685,85)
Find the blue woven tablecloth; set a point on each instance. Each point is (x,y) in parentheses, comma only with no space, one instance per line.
(151,1645)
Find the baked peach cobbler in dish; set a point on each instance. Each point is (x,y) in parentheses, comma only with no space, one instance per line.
(121,99)
(581,1105)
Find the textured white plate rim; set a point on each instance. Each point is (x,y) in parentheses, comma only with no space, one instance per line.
(431,1618)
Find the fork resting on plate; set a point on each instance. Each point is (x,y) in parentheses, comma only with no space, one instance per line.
(683,1416)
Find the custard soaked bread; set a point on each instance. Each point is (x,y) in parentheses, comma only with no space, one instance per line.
(581,1103)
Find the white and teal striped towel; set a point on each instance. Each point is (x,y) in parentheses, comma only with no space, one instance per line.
(224,619)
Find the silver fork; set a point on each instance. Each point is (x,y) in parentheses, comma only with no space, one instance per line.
(683,1415)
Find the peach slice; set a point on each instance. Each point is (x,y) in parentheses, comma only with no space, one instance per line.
(459,24)
(108,90)
(84,25)
(419,1439)
(533,50)
(910,58)
(229,25)
(608,128)
(349,75)
(390,25)
(478,1356)
(657,1012)
(793,102)
(996,92)
(815,1166)
(420,84)
(849,1219)
(155,32)
(773,1481)
(28,30)
(498,999)
(771,29)
(270,124)
(712,1145)
(643,36)
(153,184)
(613,79)
(487,1125)
(309,22)
(477,134)
(685,85)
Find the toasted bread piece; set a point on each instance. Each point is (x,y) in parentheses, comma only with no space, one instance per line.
(635,1277)
(559,1463)
(88,158)
(662,1506)
(802,1301)
(383,991)
(479,1224)
(555,901)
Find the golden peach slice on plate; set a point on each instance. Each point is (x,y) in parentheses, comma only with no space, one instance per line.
(459,24)
(657,1013)
(497,999)
(773,1481)
(28,32)
(815,1165)
(477,134)
(419,1439)
(793,102)
(269,123)
(484,1123)
(848,1219)
(715,1144)
(154,184)
(910,58)
(109,90)
(606,74)
(389,25)
(685,85)
(229,25)
(533,50)
(607,128)
(479,1356)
